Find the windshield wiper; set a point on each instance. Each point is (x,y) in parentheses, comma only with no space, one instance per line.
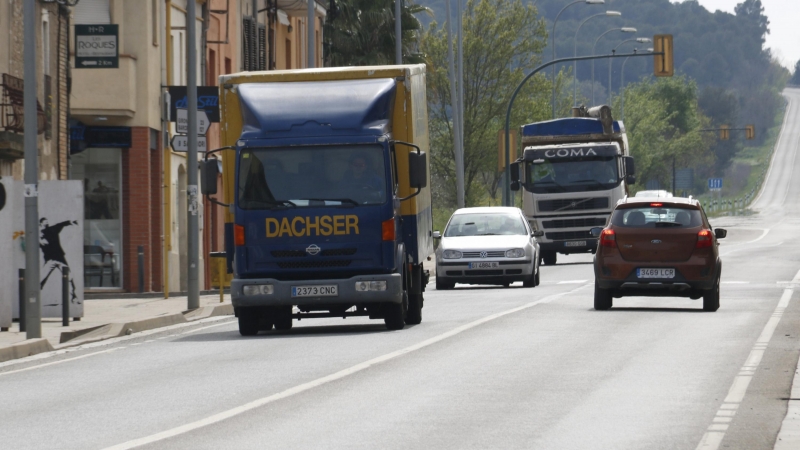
(488,234)
(271,203)
(340,200)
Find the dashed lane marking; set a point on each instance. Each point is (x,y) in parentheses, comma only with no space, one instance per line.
(60,361)
(573,282)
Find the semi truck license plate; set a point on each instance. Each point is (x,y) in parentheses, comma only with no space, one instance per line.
(575,244)
(484,265)
(315,291)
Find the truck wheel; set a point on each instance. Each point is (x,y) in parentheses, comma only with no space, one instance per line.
(395,317)
(248,323)
(549,258)
(602,298)
(443,285)
(711,298)
(282,317)
(414,315)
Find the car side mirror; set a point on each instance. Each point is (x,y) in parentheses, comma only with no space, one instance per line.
(209,172)
(595,232)
(537,233)
(417,170)
(720,233)
(437,235)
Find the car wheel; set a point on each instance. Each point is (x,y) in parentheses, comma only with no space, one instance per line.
(532,280)
(283,318)
(602,298)
(711,297)
(249,322)
(536,283)
(443,285)
(414,315)
(549,258)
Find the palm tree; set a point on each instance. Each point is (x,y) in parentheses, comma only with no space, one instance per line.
(361,32)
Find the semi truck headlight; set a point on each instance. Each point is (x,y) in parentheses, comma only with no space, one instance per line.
(451,254)
(364,286)
(258,289)
(515,253)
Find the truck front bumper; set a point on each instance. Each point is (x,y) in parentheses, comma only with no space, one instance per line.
(347,293)
(588,245)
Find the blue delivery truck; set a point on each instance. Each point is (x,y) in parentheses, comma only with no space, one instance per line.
(326,179)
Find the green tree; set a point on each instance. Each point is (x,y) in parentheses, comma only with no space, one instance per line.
(503,41)
(361,33)
(796,76)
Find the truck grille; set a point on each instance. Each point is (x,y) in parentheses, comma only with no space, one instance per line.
(489,254)
(575,223)
(315,264)
(338,252)
(573,204)
(565,235)
(288,253)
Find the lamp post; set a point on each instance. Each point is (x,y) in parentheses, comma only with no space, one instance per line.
(623,30)
(642,40)
(575,53)
(588,2)
(622,85)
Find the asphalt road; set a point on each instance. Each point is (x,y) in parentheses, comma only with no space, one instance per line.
(487,368)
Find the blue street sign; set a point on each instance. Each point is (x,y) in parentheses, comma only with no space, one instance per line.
(714,183)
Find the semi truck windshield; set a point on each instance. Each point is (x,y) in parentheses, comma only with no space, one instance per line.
(572,175)
(312,176)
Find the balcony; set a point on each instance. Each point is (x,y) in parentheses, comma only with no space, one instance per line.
(12,117)
(105,92)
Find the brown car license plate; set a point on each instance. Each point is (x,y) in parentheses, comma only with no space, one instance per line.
(655,273)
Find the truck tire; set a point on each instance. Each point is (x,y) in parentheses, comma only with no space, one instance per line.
(282,317)
(443,285)
(394,315)
(249,322)
(711,297)
(549,258)
(602,298)
(414,314)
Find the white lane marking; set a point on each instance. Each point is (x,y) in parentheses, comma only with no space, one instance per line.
(735,282)
(772,160)
(573,282)
(716,431)
(60,362)
(219,417)
(738,249)
(205,328)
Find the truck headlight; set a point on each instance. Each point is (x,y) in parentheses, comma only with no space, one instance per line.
(364,286)
(451,254)
(258,289)
(515,253)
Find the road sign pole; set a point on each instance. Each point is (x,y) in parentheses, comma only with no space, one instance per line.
(33,306)
(191,160)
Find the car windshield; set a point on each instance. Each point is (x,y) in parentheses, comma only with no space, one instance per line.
(657,217)
(572,175)
(312,176)
(485,224)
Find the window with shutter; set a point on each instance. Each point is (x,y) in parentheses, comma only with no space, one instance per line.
(90,12)
(262,47)
(248,43)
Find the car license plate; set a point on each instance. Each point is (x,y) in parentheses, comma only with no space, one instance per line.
(575,244)
(655,273)
(331,290)
(484,265)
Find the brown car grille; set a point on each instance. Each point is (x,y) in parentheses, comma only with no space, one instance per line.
(574,223)
(573,204)
(314,264)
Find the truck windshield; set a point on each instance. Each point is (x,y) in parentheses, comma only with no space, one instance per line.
(572,175)
(312,176)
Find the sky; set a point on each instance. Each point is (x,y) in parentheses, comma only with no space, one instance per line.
(784,37)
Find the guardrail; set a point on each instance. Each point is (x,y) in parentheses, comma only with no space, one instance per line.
(736,206)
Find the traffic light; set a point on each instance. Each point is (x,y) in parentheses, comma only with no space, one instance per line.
(724,133)
(501,148)
(663,65)
(750,132)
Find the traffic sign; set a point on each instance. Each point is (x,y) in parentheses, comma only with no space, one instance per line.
(180,143)
(182,122)
(96,46)
(714,184)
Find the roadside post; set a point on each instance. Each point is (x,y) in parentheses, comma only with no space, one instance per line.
(33,305)
(65,296)
(21,295)
(219,272)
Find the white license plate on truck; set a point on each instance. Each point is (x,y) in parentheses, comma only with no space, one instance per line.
(484,265)
(331,290)
(575,244)
(655,273)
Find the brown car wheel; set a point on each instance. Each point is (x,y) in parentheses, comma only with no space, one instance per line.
(711,297)
(602,298)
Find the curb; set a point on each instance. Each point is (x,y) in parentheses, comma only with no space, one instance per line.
(24,349)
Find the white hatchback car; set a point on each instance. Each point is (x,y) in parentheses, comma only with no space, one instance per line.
(489,245)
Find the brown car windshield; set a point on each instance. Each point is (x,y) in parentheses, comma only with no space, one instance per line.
(657,217)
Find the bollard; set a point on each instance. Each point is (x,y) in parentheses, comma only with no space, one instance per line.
(141,268)
(222,271)
(65,296)
(21,300)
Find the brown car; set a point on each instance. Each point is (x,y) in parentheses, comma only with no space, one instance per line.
(657,247)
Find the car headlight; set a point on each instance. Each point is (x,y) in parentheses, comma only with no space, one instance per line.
(515,253)
(258,289)
(451,254)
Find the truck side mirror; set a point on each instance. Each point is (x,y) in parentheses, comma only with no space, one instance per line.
(417,170)
(514,186)
(630,179)
(514,169)
(209,171)
(630,167)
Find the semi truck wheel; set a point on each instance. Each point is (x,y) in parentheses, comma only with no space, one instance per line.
(414,315)
(549,258)
(282,317)
(395,313)
(249,322)
(443,285)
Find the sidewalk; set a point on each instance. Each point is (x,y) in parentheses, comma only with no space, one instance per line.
(104,319)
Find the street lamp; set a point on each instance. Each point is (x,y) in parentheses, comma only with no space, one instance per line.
(575,53)
(588,2)
(622,85)
(642,40)
(622,30)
